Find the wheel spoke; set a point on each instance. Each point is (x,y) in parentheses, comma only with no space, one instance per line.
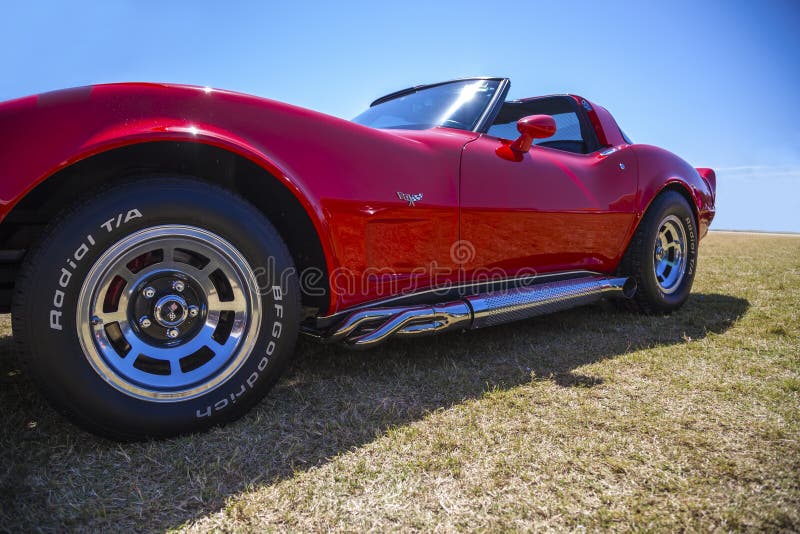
(137,346)
(167,255)
(175,367)
(237,305)
(117,316)
(209,267)
(126,275)
(219,348)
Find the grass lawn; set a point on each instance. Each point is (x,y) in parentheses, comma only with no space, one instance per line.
(589,418)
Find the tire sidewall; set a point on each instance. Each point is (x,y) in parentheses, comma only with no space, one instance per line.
(62,263)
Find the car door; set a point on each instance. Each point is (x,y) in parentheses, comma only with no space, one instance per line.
(566,204)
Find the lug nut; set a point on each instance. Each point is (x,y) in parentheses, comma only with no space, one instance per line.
(96,321)
(193,311)
(172,333)
(149,292)
(178,285)
(144,322)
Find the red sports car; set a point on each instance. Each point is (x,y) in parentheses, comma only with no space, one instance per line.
(162,246)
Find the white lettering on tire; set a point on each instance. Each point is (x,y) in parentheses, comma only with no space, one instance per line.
(116,222)
(692,244)
(65,274)
(252,379)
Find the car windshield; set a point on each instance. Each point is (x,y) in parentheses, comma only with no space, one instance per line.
(457,104)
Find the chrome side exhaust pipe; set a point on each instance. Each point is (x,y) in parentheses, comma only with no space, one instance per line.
(370,327)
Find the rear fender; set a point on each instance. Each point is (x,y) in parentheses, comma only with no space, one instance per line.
(660,170)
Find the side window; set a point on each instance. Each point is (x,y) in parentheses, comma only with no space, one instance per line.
(568,128)
(506,130)
(571,134)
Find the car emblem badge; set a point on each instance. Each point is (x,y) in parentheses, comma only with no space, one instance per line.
(410,198)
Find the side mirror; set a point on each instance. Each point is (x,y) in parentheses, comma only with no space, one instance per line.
(533,127)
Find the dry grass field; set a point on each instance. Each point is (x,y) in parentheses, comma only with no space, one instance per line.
(590,418)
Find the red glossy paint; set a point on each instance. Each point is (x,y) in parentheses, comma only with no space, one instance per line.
(533,127)
(544,209)
(660,169)
(549,211)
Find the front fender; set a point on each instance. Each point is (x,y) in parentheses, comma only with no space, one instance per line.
(45,134)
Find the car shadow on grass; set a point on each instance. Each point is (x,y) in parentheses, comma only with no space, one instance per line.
(54,476)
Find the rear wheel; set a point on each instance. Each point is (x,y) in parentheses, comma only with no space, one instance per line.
(662,256)
(159,307)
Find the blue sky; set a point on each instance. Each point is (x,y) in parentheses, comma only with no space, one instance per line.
(716,82)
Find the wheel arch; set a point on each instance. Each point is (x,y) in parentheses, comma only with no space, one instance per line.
(252,176)
(683,189)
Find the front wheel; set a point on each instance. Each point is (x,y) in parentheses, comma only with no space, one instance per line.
(159,307)
(662,256)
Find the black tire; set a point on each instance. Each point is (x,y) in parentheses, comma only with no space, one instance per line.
(639,262)
(48,325)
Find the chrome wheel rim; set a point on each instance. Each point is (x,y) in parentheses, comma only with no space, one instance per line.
(169,313)
(669,254)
